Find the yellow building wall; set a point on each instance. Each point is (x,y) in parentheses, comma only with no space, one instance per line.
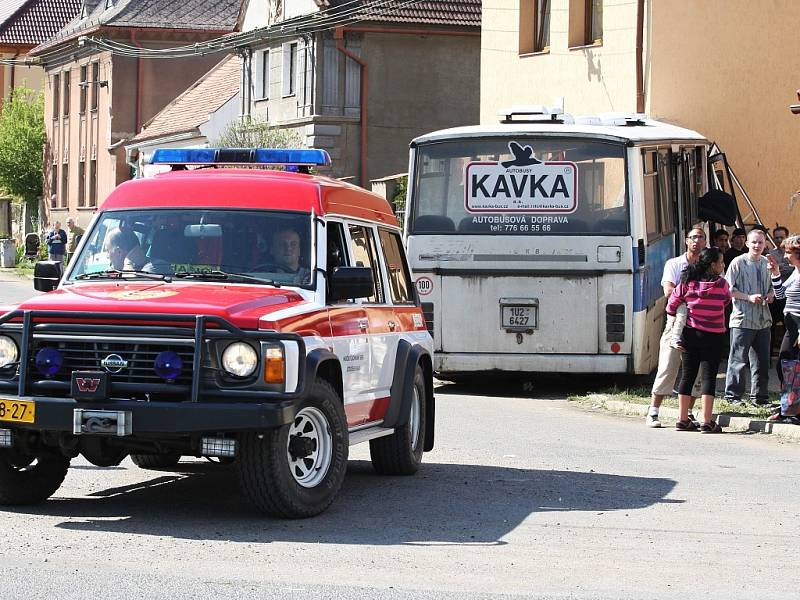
(591,79)
(729,69)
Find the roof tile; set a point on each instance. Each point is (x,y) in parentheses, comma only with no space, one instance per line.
(427,12)
(35,21)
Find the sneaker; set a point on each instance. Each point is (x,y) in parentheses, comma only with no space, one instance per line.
(652,421)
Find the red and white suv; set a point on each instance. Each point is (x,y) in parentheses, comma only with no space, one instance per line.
(264,317)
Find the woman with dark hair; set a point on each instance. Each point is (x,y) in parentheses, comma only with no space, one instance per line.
(705,294)
(789,291)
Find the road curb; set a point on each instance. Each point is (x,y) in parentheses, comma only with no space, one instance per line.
(782,430)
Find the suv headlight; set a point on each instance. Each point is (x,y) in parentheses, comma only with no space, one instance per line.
(240,359)
(8,351)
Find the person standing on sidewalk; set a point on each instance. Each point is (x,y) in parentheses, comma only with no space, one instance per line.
(74,234)
(705,293)
(788,290)
(56,242)
(738,246)
(751,286)
(779,255)
(669,357)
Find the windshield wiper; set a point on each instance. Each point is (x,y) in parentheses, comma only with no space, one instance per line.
(117,274)
(240,277)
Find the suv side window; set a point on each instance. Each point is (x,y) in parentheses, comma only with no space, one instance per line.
(362,249)
(397,267)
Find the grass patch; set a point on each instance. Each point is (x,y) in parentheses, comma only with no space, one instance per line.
(641,395)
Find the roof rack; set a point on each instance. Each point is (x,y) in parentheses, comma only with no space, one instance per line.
(532,114)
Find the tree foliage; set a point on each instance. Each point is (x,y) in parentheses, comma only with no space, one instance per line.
(22,140)
(256,132)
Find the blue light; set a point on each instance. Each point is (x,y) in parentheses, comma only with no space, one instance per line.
(235,156)
(168,365)
(49,361)
(277,156)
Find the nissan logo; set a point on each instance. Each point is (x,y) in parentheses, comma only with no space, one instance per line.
(113,363)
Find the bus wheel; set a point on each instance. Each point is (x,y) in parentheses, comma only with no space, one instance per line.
(296,471)
(401,452)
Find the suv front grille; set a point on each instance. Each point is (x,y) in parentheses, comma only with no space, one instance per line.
(81,355)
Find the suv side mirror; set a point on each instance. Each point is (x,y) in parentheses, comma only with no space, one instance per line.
(350,282)
(46,275)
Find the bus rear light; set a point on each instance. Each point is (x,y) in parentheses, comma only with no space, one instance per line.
(427,312)
(615,323)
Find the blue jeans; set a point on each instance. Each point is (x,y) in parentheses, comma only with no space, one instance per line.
(755,344)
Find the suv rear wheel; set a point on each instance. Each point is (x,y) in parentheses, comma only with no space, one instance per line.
(29,479)
(296,470)
(401,452)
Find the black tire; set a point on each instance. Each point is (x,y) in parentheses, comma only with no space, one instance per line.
(156,461)
(280,479)
(401,452)
(29,480)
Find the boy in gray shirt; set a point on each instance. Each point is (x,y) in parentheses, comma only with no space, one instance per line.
(749,278)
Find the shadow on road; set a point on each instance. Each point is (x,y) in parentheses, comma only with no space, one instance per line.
(539,385)
(443,504)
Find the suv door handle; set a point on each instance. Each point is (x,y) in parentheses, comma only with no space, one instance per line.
(362,324)
(391,325)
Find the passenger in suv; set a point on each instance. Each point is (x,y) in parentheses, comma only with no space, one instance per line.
(277,367)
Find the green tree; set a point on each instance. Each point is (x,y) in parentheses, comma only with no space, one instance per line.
(22,140)
(256,132)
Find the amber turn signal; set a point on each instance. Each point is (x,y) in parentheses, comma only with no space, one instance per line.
(274,366)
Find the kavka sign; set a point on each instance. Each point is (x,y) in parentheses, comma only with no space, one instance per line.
(524,184)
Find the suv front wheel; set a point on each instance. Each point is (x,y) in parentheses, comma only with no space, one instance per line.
(296,470)
(401,452)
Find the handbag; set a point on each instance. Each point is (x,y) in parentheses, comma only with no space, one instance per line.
(790,394)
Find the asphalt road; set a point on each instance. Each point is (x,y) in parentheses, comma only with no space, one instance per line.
(525,494)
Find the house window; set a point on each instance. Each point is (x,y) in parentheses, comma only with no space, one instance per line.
(92,183)
(585,23)
(54,185)
(594,21)
(534,26)
(56,95)
(84,88)
(95,84)
(66,93)
(64,185)
(289,69)
(82,183)
(262,75)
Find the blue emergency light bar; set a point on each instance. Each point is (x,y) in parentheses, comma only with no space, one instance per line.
(241,156)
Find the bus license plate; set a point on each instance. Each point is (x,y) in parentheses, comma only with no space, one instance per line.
(519,317)
(17,411)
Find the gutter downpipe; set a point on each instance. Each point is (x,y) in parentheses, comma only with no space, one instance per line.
(13,73)
(338,35)
(639,52)
(139,77)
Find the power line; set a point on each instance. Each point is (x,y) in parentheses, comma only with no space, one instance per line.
(286,29)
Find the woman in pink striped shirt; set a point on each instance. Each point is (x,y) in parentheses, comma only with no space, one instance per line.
(705,294)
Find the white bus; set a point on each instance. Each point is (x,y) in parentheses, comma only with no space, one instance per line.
(539,246)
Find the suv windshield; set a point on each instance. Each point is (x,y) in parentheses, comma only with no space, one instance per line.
(520,186)
(241,246)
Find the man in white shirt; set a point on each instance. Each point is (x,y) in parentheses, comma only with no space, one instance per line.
(669,358)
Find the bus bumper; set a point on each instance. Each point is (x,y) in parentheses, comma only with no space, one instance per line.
(462,362)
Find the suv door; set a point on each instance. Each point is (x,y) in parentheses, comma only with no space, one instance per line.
(349,329)
(364,253)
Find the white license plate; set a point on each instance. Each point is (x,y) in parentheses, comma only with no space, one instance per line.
(519,317)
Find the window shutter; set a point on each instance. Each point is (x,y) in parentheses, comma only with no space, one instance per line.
(265,70)
(300,87)
(259,75)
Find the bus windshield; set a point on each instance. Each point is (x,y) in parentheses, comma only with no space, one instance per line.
(519,186)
